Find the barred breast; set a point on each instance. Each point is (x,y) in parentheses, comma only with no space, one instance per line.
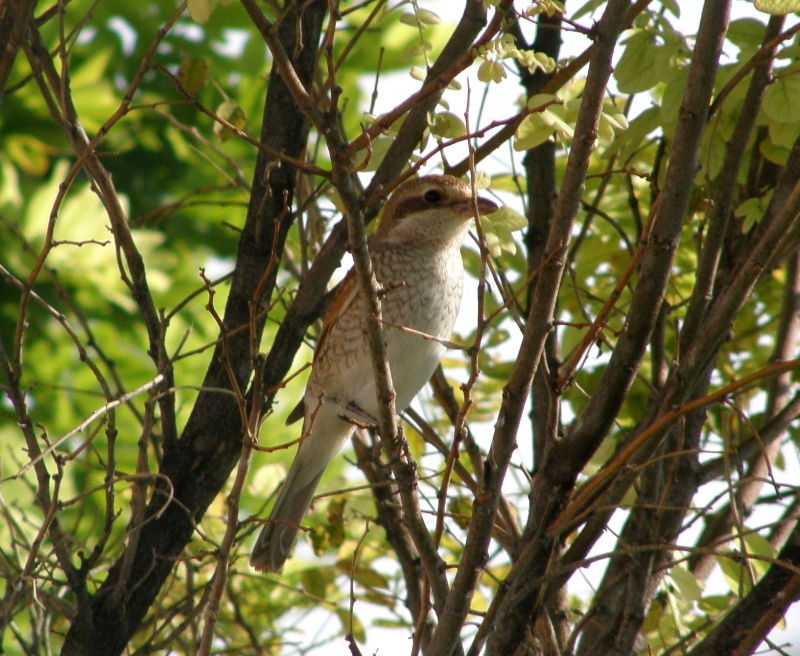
(422,291)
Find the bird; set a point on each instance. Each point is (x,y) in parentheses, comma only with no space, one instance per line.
(416,258)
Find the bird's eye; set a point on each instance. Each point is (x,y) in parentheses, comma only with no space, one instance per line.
(433,196)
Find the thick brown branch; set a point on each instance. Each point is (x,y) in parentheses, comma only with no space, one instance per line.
(210,446)
(509,632)
(745,625)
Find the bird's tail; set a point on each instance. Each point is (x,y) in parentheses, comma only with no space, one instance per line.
(278,535)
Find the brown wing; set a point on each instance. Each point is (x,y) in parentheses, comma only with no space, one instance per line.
(343,297)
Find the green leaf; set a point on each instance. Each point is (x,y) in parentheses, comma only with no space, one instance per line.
(672,7)
(541,100)
(636,70)
(418,73)
(752,210)
(351,623)
(497,370)
(92,70)
(446,125)
(317,580)
(493,243)
(778,7)
(781,96)
(746,33)
(378,148)
(335,509)
(28,153)
(773,152)
(605,129)
(10,193)
(686,584)
(615,118)
(389,624)
(380,599)
(409,19)
(532,132)
(417,49)
(758,545)
(491,71)
(712,156)
(482,180)
(651,621)
(784,134)
(672,98)
(369,578)
(587,8)
(427,17)
(335,529)
(545,62)
(737,578)
(715,604)
(193,73)
(633,139)
(506,218)
(505,182)
(230,111)
(201,10)
(556,115)
(319,539)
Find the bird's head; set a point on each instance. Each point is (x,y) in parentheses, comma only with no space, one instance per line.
(434,206)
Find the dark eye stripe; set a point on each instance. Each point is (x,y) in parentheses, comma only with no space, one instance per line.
(411,205)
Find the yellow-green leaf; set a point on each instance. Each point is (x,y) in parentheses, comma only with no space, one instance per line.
(230,111)
(316,580)
(409,19)
(418,73)
(448,125)
(778,7)
(369,578)
(784,134)
(427,17)
(773,152)
(201,10)
(635,71)
(782,95)
(377,151)
(532,132)
(29,153)
(686,584)
(491,71)
(751,211)
(351,624)
(482,180)
(556,117)
(540,100)
(507,218)
(193,73)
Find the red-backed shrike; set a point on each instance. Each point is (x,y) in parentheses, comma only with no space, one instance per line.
(416,256)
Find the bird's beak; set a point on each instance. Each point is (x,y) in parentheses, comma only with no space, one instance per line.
(467,207)
(486,206)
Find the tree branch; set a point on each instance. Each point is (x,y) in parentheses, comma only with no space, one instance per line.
(210,446)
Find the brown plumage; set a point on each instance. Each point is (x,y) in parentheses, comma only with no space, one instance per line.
(416,256)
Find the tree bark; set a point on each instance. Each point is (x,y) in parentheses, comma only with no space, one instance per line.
(199,463)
